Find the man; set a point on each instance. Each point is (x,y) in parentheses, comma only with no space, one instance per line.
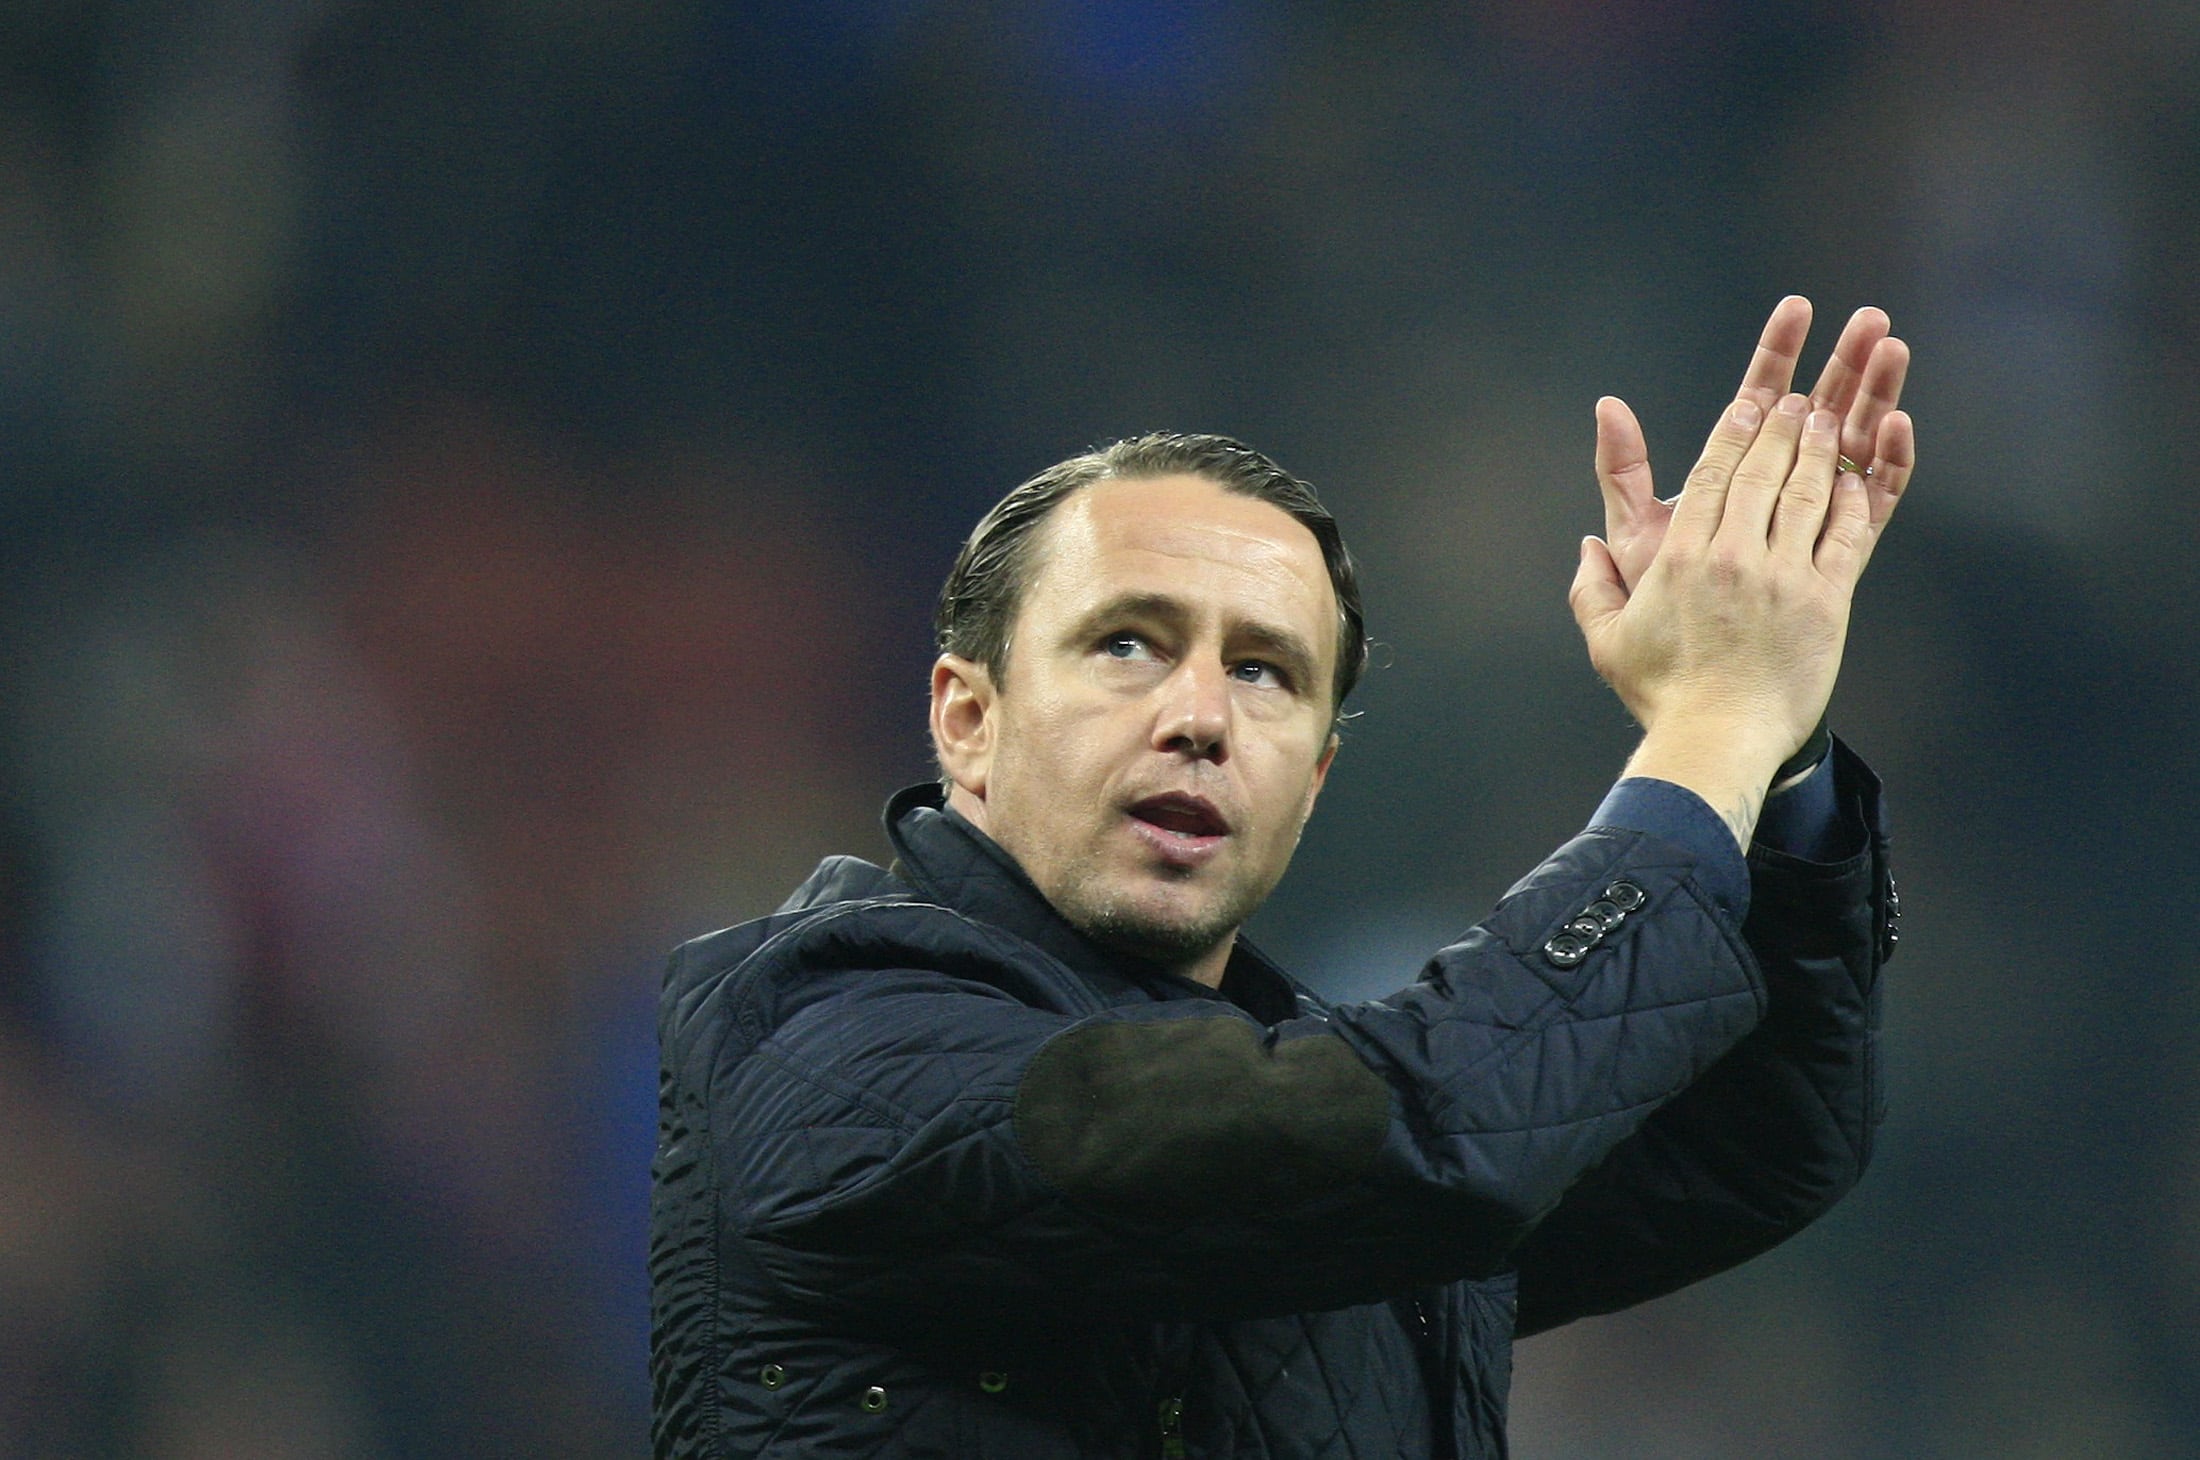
(1015,1148)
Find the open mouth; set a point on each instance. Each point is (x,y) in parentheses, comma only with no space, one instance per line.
(1182,815)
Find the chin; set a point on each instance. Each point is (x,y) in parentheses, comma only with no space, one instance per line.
(1168,945)
(1159,935)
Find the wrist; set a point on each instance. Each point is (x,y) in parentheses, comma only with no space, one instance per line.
(1797,768)
(1724,745)
(1729,762)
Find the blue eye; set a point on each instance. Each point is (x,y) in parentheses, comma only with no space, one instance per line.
(1123,646)
(1252,671)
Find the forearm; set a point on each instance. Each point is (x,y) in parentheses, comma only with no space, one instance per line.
(1456,1069)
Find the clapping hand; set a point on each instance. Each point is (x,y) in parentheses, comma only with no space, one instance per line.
(1861,384)
(1719,616)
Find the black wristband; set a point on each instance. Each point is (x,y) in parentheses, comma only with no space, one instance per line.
(1813,751)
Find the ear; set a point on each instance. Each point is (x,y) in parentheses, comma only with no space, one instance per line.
(962,721)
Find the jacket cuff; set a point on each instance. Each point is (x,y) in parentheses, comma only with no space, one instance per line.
(1805,819)
(1678,815)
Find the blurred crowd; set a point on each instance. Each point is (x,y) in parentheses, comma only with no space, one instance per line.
(472,481)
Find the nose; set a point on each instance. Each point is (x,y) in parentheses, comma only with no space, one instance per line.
(1194,715)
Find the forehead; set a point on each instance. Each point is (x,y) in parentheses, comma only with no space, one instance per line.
(1184,536)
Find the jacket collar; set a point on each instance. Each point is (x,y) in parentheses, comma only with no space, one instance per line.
(948,860)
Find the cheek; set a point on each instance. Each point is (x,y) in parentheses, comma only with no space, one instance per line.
(1041,753)
(1287,804)
(1069,732)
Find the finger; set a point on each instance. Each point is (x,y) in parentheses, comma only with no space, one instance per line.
(1837,383)
(1771,370)
(1623,466)
(1597,592)
(1893,461)
(1894,458)
(1763,472)
(1702,502)
(1799,520)
(1879,391)
(1847,543)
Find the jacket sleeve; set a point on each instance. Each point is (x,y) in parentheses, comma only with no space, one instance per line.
(1775,1132)
(924,1146)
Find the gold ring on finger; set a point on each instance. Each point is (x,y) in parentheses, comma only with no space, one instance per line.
(1841,463)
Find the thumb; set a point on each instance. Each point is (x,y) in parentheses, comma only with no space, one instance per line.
(1623,465)
(1598,591)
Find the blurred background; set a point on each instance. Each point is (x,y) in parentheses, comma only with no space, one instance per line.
(473,477)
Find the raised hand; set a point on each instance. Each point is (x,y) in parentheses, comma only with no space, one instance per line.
(1861,384)
(1720,617)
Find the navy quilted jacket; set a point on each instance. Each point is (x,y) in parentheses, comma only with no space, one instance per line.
(938,1177)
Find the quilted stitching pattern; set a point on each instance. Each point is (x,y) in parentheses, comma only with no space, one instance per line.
(840,1191)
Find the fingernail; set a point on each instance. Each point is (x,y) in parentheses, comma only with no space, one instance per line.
(1793,405)
(1745,415)
(1821,422)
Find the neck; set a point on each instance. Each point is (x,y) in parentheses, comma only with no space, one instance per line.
(970,808)
(1209,967)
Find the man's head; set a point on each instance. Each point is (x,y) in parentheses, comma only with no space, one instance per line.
(1144,651)
(977,608)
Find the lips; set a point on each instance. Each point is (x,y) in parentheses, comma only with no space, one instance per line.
(1182,814)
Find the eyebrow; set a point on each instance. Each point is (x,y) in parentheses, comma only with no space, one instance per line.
(1271,641)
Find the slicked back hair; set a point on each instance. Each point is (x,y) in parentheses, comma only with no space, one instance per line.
(985,588)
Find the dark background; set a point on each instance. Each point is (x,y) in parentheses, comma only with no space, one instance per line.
(472,481)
